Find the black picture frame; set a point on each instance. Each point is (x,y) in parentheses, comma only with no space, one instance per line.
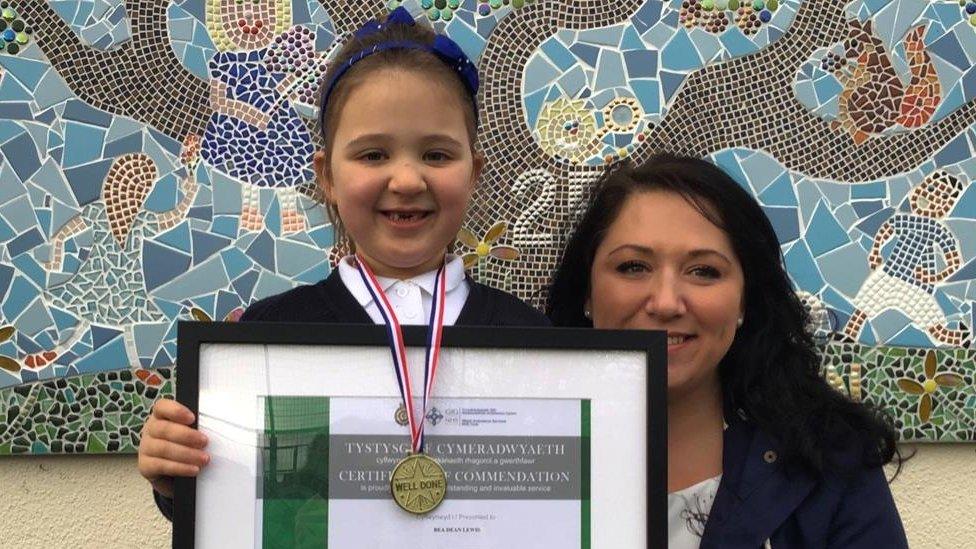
(191,335)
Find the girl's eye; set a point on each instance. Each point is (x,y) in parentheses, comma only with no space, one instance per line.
(371,156)
(705,271)
(437,156)
(632,267)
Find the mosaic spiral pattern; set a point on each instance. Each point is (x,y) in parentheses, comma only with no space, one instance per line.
(154,166)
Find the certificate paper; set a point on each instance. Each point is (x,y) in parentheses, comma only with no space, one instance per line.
(518,472)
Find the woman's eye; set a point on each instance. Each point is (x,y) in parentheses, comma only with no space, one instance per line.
(705,271)
(632,267)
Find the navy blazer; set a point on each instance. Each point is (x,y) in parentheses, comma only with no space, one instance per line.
(759,500)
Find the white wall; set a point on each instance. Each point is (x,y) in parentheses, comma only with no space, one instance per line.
(101,501)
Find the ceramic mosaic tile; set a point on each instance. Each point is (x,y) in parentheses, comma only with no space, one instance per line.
(155,166)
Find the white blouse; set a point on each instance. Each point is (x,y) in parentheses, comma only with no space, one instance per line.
(688,511)
(411,299)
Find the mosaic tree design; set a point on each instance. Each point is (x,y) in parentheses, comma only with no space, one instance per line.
(154,166)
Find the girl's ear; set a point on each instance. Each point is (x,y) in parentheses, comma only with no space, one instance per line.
(322,176)
(478,164)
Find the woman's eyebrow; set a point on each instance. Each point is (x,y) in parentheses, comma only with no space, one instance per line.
(645,250)
(693,254)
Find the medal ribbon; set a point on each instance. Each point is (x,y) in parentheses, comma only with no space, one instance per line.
(398,351)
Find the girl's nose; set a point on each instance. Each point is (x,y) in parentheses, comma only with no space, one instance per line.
(407,179)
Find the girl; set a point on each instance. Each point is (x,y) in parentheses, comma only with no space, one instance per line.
(397,171)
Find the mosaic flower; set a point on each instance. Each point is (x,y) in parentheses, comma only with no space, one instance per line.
(7,363)
(622,115)
(933,380)
(40,360)
(852,387)
(190,152)
(149,378)
(567,129)
(32,361)
(200,315)
(485,246)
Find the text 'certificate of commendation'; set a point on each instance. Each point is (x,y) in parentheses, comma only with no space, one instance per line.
(518,473)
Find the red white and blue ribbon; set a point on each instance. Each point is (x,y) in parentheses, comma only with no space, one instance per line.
(398,350)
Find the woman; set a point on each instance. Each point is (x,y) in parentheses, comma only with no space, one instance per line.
(761,451)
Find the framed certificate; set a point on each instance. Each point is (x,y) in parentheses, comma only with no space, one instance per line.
(549,438)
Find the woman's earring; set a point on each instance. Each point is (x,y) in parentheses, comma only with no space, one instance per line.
(587,313)
(738,323)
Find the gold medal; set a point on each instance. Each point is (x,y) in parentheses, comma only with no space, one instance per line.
(418,484)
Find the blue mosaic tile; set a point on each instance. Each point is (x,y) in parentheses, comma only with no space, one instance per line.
(206,244)
(162,264)
(262,250)
(27,72)
(779,193)
(25,242)
(206,277)
(294,258)
(269,284)
(34,319)
(177,238)
(132,143)
(111,356)
(244,285)
(803,270)
(785,222)
(21,153)
(845,268)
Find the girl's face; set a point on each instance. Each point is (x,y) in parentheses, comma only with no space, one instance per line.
(401,172)
(663,266)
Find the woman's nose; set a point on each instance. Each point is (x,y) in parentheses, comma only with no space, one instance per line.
(664,297)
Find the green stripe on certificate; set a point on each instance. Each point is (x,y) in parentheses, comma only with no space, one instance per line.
(585,474)
(294,484)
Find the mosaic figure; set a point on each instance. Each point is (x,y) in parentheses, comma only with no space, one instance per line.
(109,288)
(255,135)
(906,280)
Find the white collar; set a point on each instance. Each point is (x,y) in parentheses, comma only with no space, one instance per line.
(453,274)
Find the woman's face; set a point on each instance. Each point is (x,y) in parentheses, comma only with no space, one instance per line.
(663,266)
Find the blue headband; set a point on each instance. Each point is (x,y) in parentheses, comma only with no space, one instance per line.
(443,48)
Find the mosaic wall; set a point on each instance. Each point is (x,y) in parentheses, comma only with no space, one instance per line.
(154,166)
